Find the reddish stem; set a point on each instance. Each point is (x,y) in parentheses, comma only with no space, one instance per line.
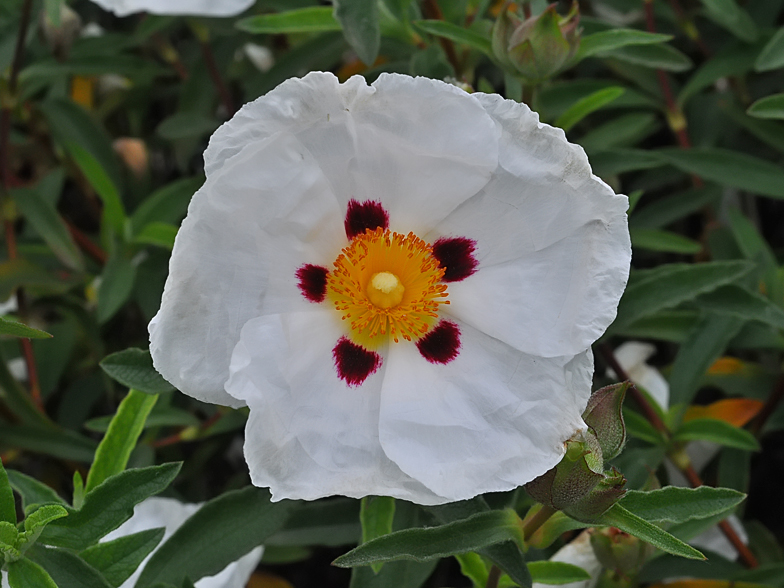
(84,242)
(431,10)
(217,79)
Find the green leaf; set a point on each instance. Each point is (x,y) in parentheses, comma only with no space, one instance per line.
(32,491)
(116,286)
(615,39)
(476,532)
(43,515)
(302,20)
(332,522)
(7,502)
(672,284)
(624,130)
(727,14)
(24,573)
(58,443)
(395,574)
(116,560)
(617,161)
(733,300)
(46,221)
(638,426)
(734,60)
(672,208)
(359,20)
(729,168)
(183,125)
(67,569)
(678,505)
(166,205)
(133,368)
(653,56)
(556,572)
(158,234)
(115,448)
(161,416)
(9,327)
(376,515)
(457,34)
(585,106)
(772,55)
(108,506)
(621,518)
(20,272)
(243,519)
(704,346)
(113,209)
(717,431)
(769,107)
(666,241)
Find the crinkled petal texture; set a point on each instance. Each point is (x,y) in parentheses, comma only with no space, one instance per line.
(553,253)
(175,7)
(171,514)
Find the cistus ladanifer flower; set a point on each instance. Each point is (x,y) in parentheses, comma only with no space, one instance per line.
(176,7)
(402,282)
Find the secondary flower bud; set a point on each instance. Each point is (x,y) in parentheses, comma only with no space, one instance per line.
(619,551)
(538,47)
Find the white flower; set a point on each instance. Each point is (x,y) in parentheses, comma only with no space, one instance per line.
(497,211)
(171,514)
(632,356)
(176,7)
(578,552)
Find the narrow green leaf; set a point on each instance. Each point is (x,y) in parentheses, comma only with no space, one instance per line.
(672,284)
(615,39)
(734,60)
(20,272)
(666,241)
(7,502)
(332,522)
(395,574)
(67,569)
(108,506)
(359,20)
(166,205)
(729,168)
(32,491)
(46,221)
(766,130)
(621,518)
(376,515)
(116,560)
(28,574)
(556,572)
(422,544)
(625,130)
(638,426)
(302,20)
(183,125)
(133,368)
(727,14)
(113,209)
(160,416)
(768,107)
(704,346)
(672,208)
(9,327)
(772,55)
(733,300)
(717,431)
(43,515)
(456,33)
(587,105)
(678,505)
(659,56)
(47,440)
(116,286)
(610,162)
(115,448)
(243,519)
(158,234)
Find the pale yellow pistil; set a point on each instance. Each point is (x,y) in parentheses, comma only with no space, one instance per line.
(385,290)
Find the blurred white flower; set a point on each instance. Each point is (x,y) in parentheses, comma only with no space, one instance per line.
(171,514)
(260,56)
(578,552)
(632,356)
(176,7)
(310,281)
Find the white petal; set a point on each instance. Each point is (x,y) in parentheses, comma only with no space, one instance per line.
(552,242)
(174,7)
(309,434)
(171,514)
(247,231)
(419,146)
(491,420)
(632,356)
(578,552)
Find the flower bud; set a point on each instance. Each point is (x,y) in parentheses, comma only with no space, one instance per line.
(603,415)
(538,47)
(619,551)
(61,35)
(602,496)
(133,153)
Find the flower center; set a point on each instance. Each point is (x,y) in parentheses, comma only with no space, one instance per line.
(387,285)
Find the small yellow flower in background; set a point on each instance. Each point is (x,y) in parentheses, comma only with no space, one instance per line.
(402,282)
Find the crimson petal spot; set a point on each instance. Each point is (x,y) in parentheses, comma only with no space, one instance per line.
(361,216)
(456,256)
(441,344)
(313,282)
(354,363)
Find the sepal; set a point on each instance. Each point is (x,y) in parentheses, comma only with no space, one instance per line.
(603,415)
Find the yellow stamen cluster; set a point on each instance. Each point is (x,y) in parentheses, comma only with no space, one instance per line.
(387,284)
